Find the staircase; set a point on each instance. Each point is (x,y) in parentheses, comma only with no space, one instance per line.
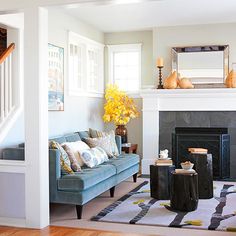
(7,91)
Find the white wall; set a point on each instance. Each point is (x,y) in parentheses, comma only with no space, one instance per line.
(164,38)
(12,197)
(80,112)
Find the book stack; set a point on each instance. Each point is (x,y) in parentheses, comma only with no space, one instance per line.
(198,150)
(182,171)
(164,162)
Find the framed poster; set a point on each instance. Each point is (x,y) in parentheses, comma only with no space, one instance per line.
(55,78)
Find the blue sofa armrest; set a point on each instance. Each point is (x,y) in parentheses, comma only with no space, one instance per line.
(54,163)
(16,154)
(54,172)
(118,143)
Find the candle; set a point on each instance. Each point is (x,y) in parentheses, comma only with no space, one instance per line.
(160,62)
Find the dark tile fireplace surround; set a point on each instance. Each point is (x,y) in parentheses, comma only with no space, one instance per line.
(216,136)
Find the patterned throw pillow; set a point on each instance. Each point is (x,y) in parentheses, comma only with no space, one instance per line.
(74,163)
(64,159)
(76,148)
(102,142)
(96,134)
(94,156)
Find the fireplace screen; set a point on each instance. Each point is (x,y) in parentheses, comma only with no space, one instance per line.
(216,140)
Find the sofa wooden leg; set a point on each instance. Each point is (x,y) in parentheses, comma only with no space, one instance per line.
(79,209)
(135,177)
(112,191)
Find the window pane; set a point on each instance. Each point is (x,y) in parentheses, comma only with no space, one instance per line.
(120,58)
(128,85)
(133,58)
(126,69)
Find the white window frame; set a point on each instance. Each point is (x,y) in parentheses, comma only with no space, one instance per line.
(136,47)
(86,45)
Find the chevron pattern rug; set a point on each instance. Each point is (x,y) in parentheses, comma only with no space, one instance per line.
(137,207)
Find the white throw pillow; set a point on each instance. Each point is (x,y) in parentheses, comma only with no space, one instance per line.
(102,142)
(94,156)
(111,134)
(76,148)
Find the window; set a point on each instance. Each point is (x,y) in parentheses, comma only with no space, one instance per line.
(86,66)
(125,66)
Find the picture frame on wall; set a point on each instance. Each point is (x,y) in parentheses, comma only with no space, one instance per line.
(55,78)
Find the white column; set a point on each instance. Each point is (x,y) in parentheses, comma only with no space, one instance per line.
(150,133)
(36,117)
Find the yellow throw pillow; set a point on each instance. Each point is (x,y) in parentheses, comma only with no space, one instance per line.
(64,159)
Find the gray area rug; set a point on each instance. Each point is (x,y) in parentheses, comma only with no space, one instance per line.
(137,207)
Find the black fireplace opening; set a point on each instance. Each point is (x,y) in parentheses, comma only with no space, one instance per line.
(216,140)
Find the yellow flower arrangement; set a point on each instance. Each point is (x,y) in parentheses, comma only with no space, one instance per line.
(119,108)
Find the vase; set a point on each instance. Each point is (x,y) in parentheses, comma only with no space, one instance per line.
(122,131)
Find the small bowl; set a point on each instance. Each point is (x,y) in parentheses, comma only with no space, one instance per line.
(187,166)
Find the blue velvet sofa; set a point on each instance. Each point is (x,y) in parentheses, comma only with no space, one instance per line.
(81,187)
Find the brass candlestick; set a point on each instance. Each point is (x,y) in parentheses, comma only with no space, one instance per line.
(160,86)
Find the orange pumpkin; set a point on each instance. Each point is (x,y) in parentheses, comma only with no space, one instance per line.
(171,82)
(185,83)
(230,81)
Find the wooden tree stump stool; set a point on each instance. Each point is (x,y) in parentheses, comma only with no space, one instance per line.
(203,166)
(160,181)
(184,192)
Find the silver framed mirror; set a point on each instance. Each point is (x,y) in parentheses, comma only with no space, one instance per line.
(202,64)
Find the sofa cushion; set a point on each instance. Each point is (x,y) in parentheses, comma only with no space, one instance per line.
(94,157)
(83,134)
(72,137)
(60,139)
(124,161)
(74,162)
(102,142)
(64,159)
(86,179)
(111,134)
(76,148)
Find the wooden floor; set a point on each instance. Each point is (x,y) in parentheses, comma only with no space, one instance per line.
(58,231)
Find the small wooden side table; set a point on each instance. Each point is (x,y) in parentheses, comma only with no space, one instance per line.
(133,149)
(160,181)
(203,166)
(184,192)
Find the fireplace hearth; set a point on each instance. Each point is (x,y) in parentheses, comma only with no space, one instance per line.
(216,140)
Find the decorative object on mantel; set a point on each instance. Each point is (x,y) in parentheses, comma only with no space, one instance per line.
(171,82)
(198,63)
(230,81)
(160,65)
(119,108)
(185,83)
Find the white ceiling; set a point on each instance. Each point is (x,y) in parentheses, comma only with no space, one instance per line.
(147,14)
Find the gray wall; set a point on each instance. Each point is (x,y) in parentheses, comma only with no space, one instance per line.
(164,38)
(170,120)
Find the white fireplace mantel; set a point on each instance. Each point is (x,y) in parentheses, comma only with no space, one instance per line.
(154,100)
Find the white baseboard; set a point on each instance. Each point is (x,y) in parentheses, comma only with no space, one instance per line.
(13,222)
